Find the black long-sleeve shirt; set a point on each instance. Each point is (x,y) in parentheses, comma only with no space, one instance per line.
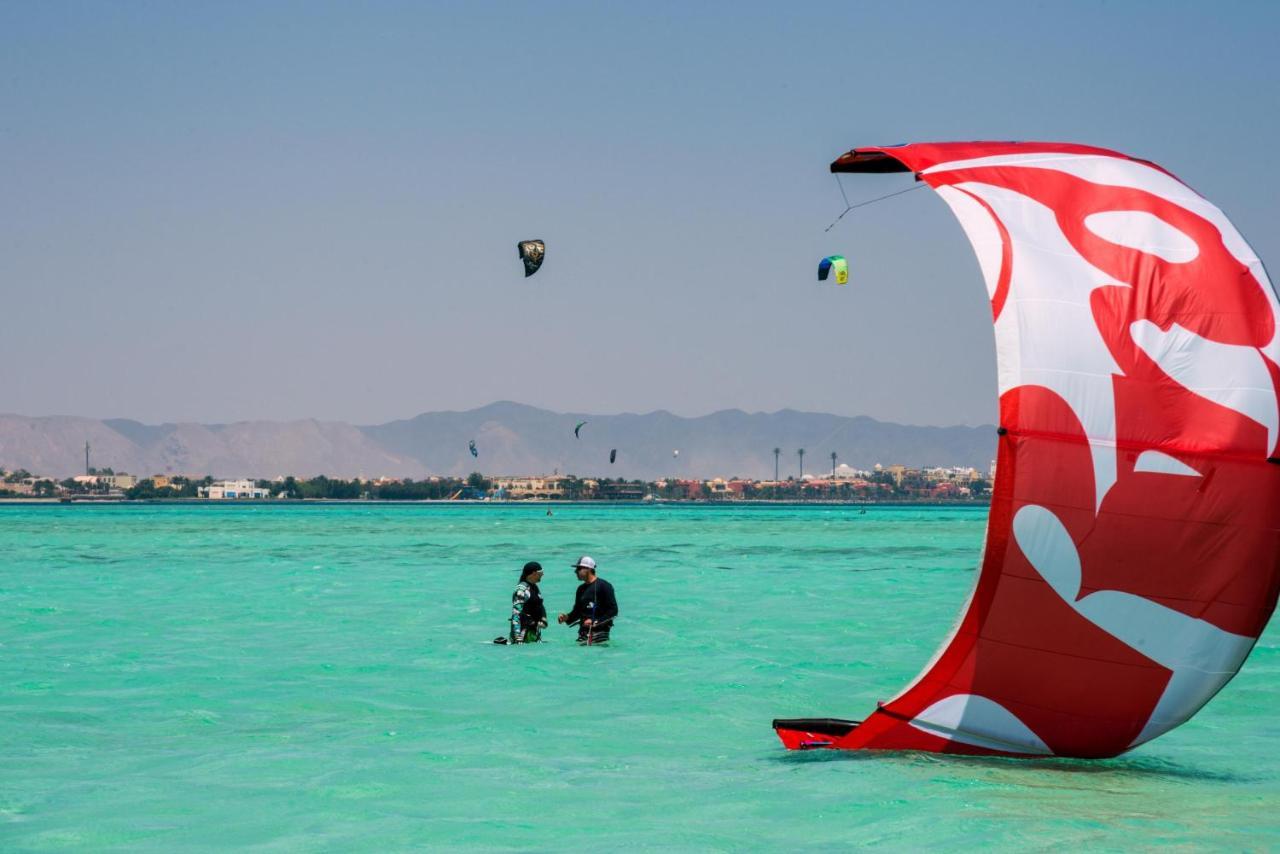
(594,601)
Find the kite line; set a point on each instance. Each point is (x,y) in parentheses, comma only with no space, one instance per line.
(848,207)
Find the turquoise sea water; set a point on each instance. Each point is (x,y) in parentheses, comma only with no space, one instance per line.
(320,677)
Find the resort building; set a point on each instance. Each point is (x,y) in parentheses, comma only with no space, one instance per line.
(956,474)
(225,489)
(847,472)
(544,487)
(718,489)
(620,491)
(120,481)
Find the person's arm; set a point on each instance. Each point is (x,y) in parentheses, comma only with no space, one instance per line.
(575,614)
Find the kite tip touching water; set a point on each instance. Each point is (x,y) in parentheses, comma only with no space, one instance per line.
(1131,558)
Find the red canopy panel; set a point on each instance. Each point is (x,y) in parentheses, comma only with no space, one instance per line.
(1133,548)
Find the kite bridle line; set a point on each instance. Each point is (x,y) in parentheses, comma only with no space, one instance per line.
(843,195)
(849,207)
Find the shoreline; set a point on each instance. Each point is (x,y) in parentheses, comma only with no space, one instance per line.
(320,502)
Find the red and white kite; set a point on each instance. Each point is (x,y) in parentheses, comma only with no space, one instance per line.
(1133,547)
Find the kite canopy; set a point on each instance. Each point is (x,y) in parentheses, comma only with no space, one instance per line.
(836,262)
(613,455)
(577,428)
(472,447)
(1132,555)
(531,253)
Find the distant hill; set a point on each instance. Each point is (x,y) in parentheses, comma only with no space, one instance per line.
(511,438)
(54,445)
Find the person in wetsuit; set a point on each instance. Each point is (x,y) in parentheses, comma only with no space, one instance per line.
(528,614)
(594,605)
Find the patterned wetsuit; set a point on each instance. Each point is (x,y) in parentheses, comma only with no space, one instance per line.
(527,613)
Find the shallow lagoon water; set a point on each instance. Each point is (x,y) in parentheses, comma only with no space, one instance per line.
(290,677)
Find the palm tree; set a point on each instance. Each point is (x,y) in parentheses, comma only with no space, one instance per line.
(776,452)
(801,453)
(833,464)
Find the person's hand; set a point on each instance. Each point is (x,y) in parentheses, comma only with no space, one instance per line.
(586,624)
(542,624)
(563,618)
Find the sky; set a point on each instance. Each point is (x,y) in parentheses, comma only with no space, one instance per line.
(242,211)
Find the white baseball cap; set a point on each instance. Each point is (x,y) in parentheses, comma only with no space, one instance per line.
(585,562)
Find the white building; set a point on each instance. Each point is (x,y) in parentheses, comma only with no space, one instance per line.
(846,472)
(111,481)
(233,489)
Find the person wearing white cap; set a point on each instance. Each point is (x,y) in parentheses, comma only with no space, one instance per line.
(594,605)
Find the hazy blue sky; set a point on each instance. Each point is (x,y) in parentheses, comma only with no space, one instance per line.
(226,211)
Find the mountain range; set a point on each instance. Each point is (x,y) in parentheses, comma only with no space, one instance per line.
(510,438)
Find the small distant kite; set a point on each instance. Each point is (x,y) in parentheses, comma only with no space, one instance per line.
(531,253)
(613,455)
(472,446)
(676,452)
(577,428)
(837,263)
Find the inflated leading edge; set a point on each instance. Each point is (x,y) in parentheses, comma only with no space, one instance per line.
(1133,551)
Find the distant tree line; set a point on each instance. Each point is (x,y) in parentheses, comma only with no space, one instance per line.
(877,485)
(178,487)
